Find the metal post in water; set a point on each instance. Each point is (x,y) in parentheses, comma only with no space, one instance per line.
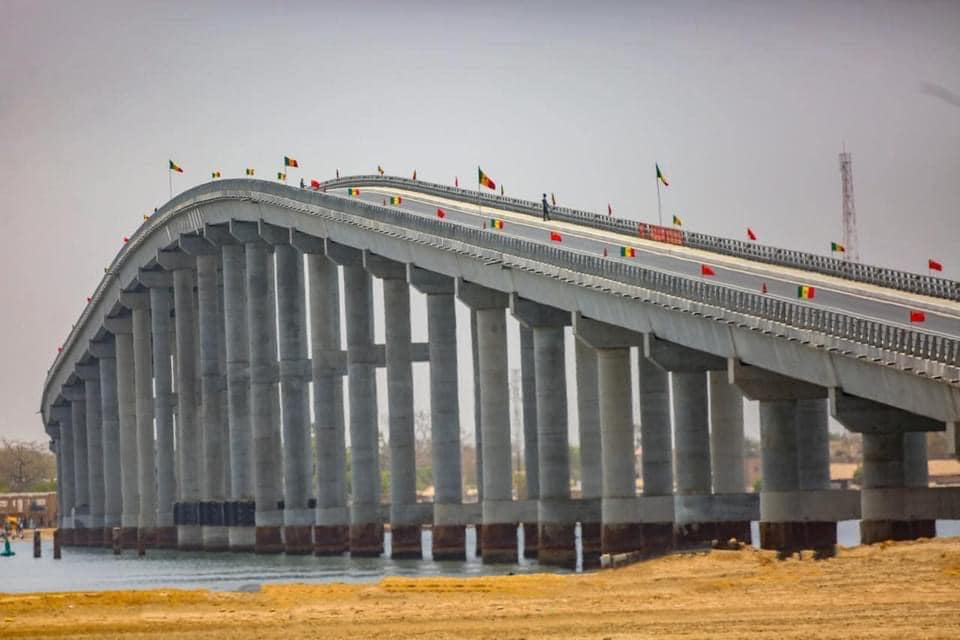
(116,540)
(36,543)
(56,544)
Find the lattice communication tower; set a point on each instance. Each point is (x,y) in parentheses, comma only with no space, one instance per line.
(849,213)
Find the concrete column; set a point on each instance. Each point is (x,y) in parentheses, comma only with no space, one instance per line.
(90,374)
(298,514)
(65,479)
(213,436)
(143,385)
(366,527)
(915,464)
(161,303)
(404,529)
(692,443)
(531,452)
(813,445)
(657,452)
(241,534)
(498,536)
(477,426)
(56,448)
(122,329)
(591,454)
(621,532)
(726,434)
(449,531)
(261,323)
(890,462)
(331,533)
(81,473)
(557,521)
(779,472)
(190,440)
(105,352)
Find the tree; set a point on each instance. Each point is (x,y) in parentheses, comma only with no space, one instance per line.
(26,466)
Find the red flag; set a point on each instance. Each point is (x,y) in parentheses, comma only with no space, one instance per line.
(456,181)
(918,316)
(751,234)
(933,265)
(126,239)
(89,298)
(315,185)
(706,270)
(59,349)
(414,174)
(441,213)
(609,209)
(556,237)
(764,287)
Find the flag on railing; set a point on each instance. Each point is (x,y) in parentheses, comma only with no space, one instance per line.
(497,224)
(553,199)
(215,174)
(628,252)
(441,213)
(338,174)
(485,180)
(707,270)
(175,167)
(918,316)
(250,171)
(660,178)
(677,221)
(353,191)
(555,237)
(763,288)
(414,174)
(290,162)
(395,199)
(609,209)
(315,185)
(836,247)
(281,176)
(501,188)
(456,182)
(751,234)
(146,216)
(805,292)
(379,169)
(126,239)
(933,265)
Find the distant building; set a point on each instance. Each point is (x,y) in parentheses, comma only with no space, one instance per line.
(841,474)
(944,473)
(37,509)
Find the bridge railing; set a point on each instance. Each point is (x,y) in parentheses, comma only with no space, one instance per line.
(882,276)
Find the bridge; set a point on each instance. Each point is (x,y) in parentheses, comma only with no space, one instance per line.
(178,406)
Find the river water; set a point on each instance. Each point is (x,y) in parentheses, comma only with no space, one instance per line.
(100,570)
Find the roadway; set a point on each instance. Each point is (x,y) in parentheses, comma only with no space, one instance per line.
(831,293)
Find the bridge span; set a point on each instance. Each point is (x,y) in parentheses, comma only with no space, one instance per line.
(178,407)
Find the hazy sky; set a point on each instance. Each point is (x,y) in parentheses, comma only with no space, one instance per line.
(745,105)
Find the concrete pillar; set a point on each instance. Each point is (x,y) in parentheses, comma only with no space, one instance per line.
(122,329)
(813,445)
(139,303)
(65,482)
(656,453)
(241,532)
(161,303)
(498,536)
(331,533)
(81,473)
(915,464)
(779,472)
(531,452)
(190,438)
(477,425)
(105,352)
(890,462)
(404,529)
(366,528)
(90,374)
(557,521)
(621,530)
(298,514)
(591,454)
(726,434)
(261,323)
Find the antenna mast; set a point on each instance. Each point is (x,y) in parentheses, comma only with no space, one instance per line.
(849,213)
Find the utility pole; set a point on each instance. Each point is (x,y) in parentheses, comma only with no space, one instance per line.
(849,213)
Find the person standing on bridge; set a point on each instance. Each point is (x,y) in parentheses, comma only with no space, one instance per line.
(546,208)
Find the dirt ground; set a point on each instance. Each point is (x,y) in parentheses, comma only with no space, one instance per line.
(902,590)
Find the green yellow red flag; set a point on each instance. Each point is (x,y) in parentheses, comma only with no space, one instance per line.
(175,167)
(485,180)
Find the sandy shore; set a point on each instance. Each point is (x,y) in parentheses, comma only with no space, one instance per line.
(884,591)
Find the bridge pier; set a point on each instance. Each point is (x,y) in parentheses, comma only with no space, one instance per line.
(81,477)
(122,329)
(366,526)
(657,525)
(61,413)
(498,534)
(105,352)
(331,531)
(90,375)
(531,451)
(449,527)
(591,460)
(726,451)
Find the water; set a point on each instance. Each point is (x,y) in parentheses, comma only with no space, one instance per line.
(100,570)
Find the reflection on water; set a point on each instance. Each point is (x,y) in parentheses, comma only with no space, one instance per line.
(98,569)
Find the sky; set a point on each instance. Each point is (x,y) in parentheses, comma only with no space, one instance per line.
(745,105)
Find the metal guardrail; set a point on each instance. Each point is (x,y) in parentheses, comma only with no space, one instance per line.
(870,333)
(881,276)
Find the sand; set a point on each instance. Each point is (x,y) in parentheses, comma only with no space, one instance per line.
(884,591)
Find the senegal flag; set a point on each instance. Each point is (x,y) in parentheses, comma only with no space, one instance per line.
(485,180)
(250,172)
(677,221)
(281,176)
(836,247)
(175,167)
(497,224)
(290,162)
(353,191)
(805,292)
(395,199)
(215,174)
(660,177)
(628,252)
